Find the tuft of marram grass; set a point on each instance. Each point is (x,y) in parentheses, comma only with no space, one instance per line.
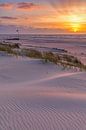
(63,59)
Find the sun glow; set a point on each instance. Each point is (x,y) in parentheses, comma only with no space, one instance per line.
(75,27)
(75,22)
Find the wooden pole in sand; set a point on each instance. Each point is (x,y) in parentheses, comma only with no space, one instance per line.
(18,33)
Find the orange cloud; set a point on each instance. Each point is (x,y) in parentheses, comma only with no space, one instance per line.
(6,6)
(27,6)
(21,6)
(9,20)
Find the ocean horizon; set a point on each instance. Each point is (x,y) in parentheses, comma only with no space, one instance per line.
(45,38)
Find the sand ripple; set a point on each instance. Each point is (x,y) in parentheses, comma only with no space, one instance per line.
(27,114)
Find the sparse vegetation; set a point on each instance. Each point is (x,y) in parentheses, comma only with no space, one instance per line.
(49,57)
(31,53)
(34,53)
(8,48)
(12,46)
(62,59)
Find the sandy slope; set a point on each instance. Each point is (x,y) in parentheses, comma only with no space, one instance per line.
(38,96)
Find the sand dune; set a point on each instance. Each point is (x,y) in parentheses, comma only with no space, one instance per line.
(38,96)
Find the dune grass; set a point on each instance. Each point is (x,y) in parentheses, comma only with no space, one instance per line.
(65,60)
(9,48)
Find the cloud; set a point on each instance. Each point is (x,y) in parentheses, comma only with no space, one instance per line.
(8,18)
(67,8)
(6,6)
(21,6)
(11,29)
(28,6)
(66,2)
(61,4)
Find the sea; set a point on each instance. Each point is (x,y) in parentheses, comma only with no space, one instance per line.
(45,40)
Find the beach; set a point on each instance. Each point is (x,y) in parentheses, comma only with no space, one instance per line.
(43,65)
(41,96)
(75,44)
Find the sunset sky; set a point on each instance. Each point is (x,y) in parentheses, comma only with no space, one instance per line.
(43,16)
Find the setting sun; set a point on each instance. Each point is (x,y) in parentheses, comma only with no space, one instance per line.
(75,27)
(75,22)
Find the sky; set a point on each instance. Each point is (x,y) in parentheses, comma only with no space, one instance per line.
(43,16)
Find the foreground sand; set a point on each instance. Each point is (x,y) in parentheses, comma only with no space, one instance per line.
(38,96)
